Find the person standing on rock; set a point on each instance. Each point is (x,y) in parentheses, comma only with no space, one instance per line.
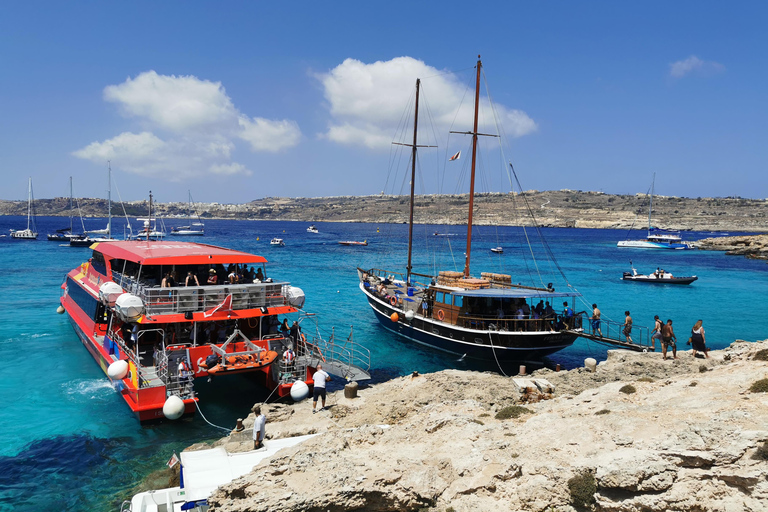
(596,320)
(697,340)
(259,428)
(656,333)
(320,377)
(668,338)
(628,327)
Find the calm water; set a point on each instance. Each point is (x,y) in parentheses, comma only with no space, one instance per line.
(68,441)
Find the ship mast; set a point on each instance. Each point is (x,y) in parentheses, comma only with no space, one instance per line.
(414,146)
(472,177)
(413,185)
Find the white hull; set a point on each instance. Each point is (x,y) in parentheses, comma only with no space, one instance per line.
(24,234)
(647,244)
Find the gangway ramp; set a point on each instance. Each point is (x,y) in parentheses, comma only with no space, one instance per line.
(613,335)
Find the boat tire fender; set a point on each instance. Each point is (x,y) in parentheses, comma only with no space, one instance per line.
(440,315)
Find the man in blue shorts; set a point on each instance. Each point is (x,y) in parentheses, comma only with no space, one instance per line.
(596,321)
(320,377)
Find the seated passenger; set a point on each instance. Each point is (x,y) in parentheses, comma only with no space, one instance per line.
(212,277)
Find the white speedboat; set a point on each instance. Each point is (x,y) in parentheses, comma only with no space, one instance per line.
(312,229)
(659,277)
(277,242)
(497,250)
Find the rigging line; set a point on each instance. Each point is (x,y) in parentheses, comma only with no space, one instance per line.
(122,204)
(451,73)
(538,228)
(503,137)
(637,212)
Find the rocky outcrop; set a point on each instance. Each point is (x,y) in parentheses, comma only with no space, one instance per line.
(753,246)
(690,438)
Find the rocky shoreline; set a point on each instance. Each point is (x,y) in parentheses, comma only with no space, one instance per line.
(753,247)
(638,434)
(552,208)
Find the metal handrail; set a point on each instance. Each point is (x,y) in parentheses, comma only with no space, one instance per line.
(182,299)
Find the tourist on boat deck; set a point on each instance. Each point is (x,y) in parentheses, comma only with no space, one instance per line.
(627,327)
(259,427)
(285,329)
(656,333)
(567,315)
(294,331)
(698,342)
(191,278)
(320,377)
(232,277)
(668,338)
(212,277)
(540,308)
(259,274)
(168,281)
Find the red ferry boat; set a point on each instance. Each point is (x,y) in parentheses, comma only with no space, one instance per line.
(157,315)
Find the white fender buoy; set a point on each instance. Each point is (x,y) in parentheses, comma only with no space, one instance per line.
(409,315)
(60,309)
(173,408)
(118,370)
(299,391)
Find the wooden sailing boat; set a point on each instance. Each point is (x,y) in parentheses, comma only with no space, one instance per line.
(193,228)
(31,232)
(488,319)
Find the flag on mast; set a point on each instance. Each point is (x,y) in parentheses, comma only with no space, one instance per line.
(456,156)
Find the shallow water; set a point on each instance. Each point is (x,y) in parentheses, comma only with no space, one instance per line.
(68,441)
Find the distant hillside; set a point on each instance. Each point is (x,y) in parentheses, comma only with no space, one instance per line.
(557,208)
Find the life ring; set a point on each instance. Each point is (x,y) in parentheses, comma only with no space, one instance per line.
(393,300)
(440,315)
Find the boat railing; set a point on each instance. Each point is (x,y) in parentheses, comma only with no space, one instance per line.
(614,331)
(146,374)
(342,357)
(182,299)
(556,322)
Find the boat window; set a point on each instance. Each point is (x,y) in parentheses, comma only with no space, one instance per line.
(458,301)
(98,263)
(440,297)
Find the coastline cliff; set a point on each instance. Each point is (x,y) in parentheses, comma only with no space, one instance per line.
(555,208)
(637,434)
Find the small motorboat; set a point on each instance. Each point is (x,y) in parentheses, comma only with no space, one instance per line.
(277,242)
(312,229)
(659,277)
(353,242)
(498,250)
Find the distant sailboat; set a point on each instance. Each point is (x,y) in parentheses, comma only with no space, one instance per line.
(657,238)
(31,232)
(66,234)
(106,232)
(194,228)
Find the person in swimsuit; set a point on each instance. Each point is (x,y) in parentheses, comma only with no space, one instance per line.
(628,327)
(656,333)
(668,339)
(596,321)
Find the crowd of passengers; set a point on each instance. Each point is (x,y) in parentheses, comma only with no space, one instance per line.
(216,275)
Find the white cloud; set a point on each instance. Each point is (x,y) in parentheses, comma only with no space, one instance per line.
(694,64)
(190,127)
(230,169)
(366,101)
(265,135)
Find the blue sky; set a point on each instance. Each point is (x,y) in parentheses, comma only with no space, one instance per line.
(242,100)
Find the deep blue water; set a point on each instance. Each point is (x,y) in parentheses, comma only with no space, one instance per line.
(68,441)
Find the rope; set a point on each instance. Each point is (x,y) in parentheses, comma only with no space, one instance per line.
(493,349)
(206,419)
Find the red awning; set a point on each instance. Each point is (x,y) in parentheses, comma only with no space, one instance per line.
(173,253)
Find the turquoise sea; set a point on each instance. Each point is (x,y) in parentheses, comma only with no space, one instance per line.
(68,442)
